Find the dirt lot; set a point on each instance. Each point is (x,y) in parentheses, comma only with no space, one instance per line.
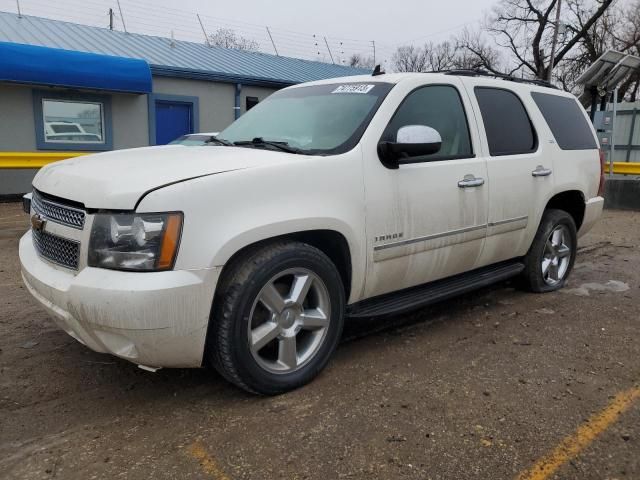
(479,387)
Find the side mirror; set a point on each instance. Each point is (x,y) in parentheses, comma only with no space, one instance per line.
(411,141)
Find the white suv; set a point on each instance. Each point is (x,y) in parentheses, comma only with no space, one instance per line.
(358,196)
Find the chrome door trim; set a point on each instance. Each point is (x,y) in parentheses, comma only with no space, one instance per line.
(508,220)
(429,237)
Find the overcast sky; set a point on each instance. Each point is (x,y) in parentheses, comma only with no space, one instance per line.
(349,25)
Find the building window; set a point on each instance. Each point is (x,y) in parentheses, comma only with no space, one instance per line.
(251,102)
(72,121)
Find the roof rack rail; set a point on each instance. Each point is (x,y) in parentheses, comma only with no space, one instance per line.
(483,73)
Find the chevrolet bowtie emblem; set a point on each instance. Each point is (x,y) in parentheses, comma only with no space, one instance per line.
(38,223)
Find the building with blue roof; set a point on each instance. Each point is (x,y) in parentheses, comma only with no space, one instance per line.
(68,88)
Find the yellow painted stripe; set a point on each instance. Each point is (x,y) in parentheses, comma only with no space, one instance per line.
(33,159)
(572,445)
(208,464)
(627,168)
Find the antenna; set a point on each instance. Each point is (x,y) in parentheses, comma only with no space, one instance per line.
(272,42)
(173,40)
(110,18)
(204,32)
(329,50)
(122,17)
(19,12)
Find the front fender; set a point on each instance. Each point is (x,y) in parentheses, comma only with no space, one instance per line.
(225,213)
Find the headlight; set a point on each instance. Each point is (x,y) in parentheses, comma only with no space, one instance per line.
(140,242)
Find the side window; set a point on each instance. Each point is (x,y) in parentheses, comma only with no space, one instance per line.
(566,121)
(251,102)
(439,107)
(509,129)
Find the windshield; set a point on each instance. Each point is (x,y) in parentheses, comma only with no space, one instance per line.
(319,119)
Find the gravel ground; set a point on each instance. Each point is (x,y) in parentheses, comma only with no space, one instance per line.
(478,387)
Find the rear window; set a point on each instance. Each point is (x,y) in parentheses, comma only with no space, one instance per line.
(566,121)
(509,129)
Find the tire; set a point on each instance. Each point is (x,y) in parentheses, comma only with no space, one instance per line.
(551,255)
(285,289)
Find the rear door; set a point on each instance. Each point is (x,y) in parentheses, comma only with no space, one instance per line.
(520,173)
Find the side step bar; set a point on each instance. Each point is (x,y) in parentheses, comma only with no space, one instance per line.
(422,295)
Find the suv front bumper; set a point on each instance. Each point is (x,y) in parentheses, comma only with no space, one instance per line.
(154,319)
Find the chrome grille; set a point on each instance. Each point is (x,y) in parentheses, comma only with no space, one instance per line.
(59,250)
(56,212)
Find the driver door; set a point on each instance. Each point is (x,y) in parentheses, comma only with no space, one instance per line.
(426,219)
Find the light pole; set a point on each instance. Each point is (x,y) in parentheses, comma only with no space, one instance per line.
(555,40)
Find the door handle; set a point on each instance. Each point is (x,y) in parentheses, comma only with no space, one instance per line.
(470,181)
(540,171)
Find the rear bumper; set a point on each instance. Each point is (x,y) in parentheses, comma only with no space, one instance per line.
(154,319)
(592,212)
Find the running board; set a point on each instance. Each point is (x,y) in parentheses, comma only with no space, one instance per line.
(422,295)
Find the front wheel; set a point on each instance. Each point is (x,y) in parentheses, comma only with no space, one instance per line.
(277,317)
(552,253)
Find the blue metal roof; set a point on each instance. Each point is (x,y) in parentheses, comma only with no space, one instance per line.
(182,59)
(66,68)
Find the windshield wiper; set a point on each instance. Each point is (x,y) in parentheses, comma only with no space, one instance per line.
(220,141)
(259,142)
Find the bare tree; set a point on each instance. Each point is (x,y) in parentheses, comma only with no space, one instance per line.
(474,52)
(409,58)
(228,38)
(360,61)
(618,29)
(525,28)
(466,52)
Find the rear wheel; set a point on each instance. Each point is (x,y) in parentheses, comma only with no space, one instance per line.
(552,254)
(277,318)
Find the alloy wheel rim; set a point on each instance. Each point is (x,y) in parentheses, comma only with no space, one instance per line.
(289,321)
(556,255)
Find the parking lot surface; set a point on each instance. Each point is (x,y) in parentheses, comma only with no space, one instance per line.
(498,384)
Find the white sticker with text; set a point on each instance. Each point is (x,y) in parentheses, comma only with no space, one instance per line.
(354,88)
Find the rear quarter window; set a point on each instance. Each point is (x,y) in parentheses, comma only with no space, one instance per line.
(566,121)
(506,122)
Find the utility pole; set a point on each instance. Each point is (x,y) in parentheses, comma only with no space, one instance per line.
(19,12)
(556,28)
(329,50)
(122,17)
(272,42)
(111,19)
(206,37)
(373,43)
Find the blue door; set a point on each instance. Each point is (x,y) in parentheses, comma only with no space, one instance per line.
(173,119)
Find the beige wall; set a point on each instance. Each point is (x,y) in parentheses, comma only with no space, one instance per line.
(17,128)
(129,113)
(216,99)
(17,124)
(129,121)
(248,91)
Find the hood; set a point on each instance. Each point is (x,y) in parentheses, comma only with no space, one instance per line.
(116,180)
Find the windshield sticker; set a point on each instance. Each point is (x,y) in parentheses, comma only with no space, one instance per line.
(354,88)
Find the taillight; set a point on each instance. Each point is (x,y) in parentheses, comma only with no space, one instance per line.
(601,184)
